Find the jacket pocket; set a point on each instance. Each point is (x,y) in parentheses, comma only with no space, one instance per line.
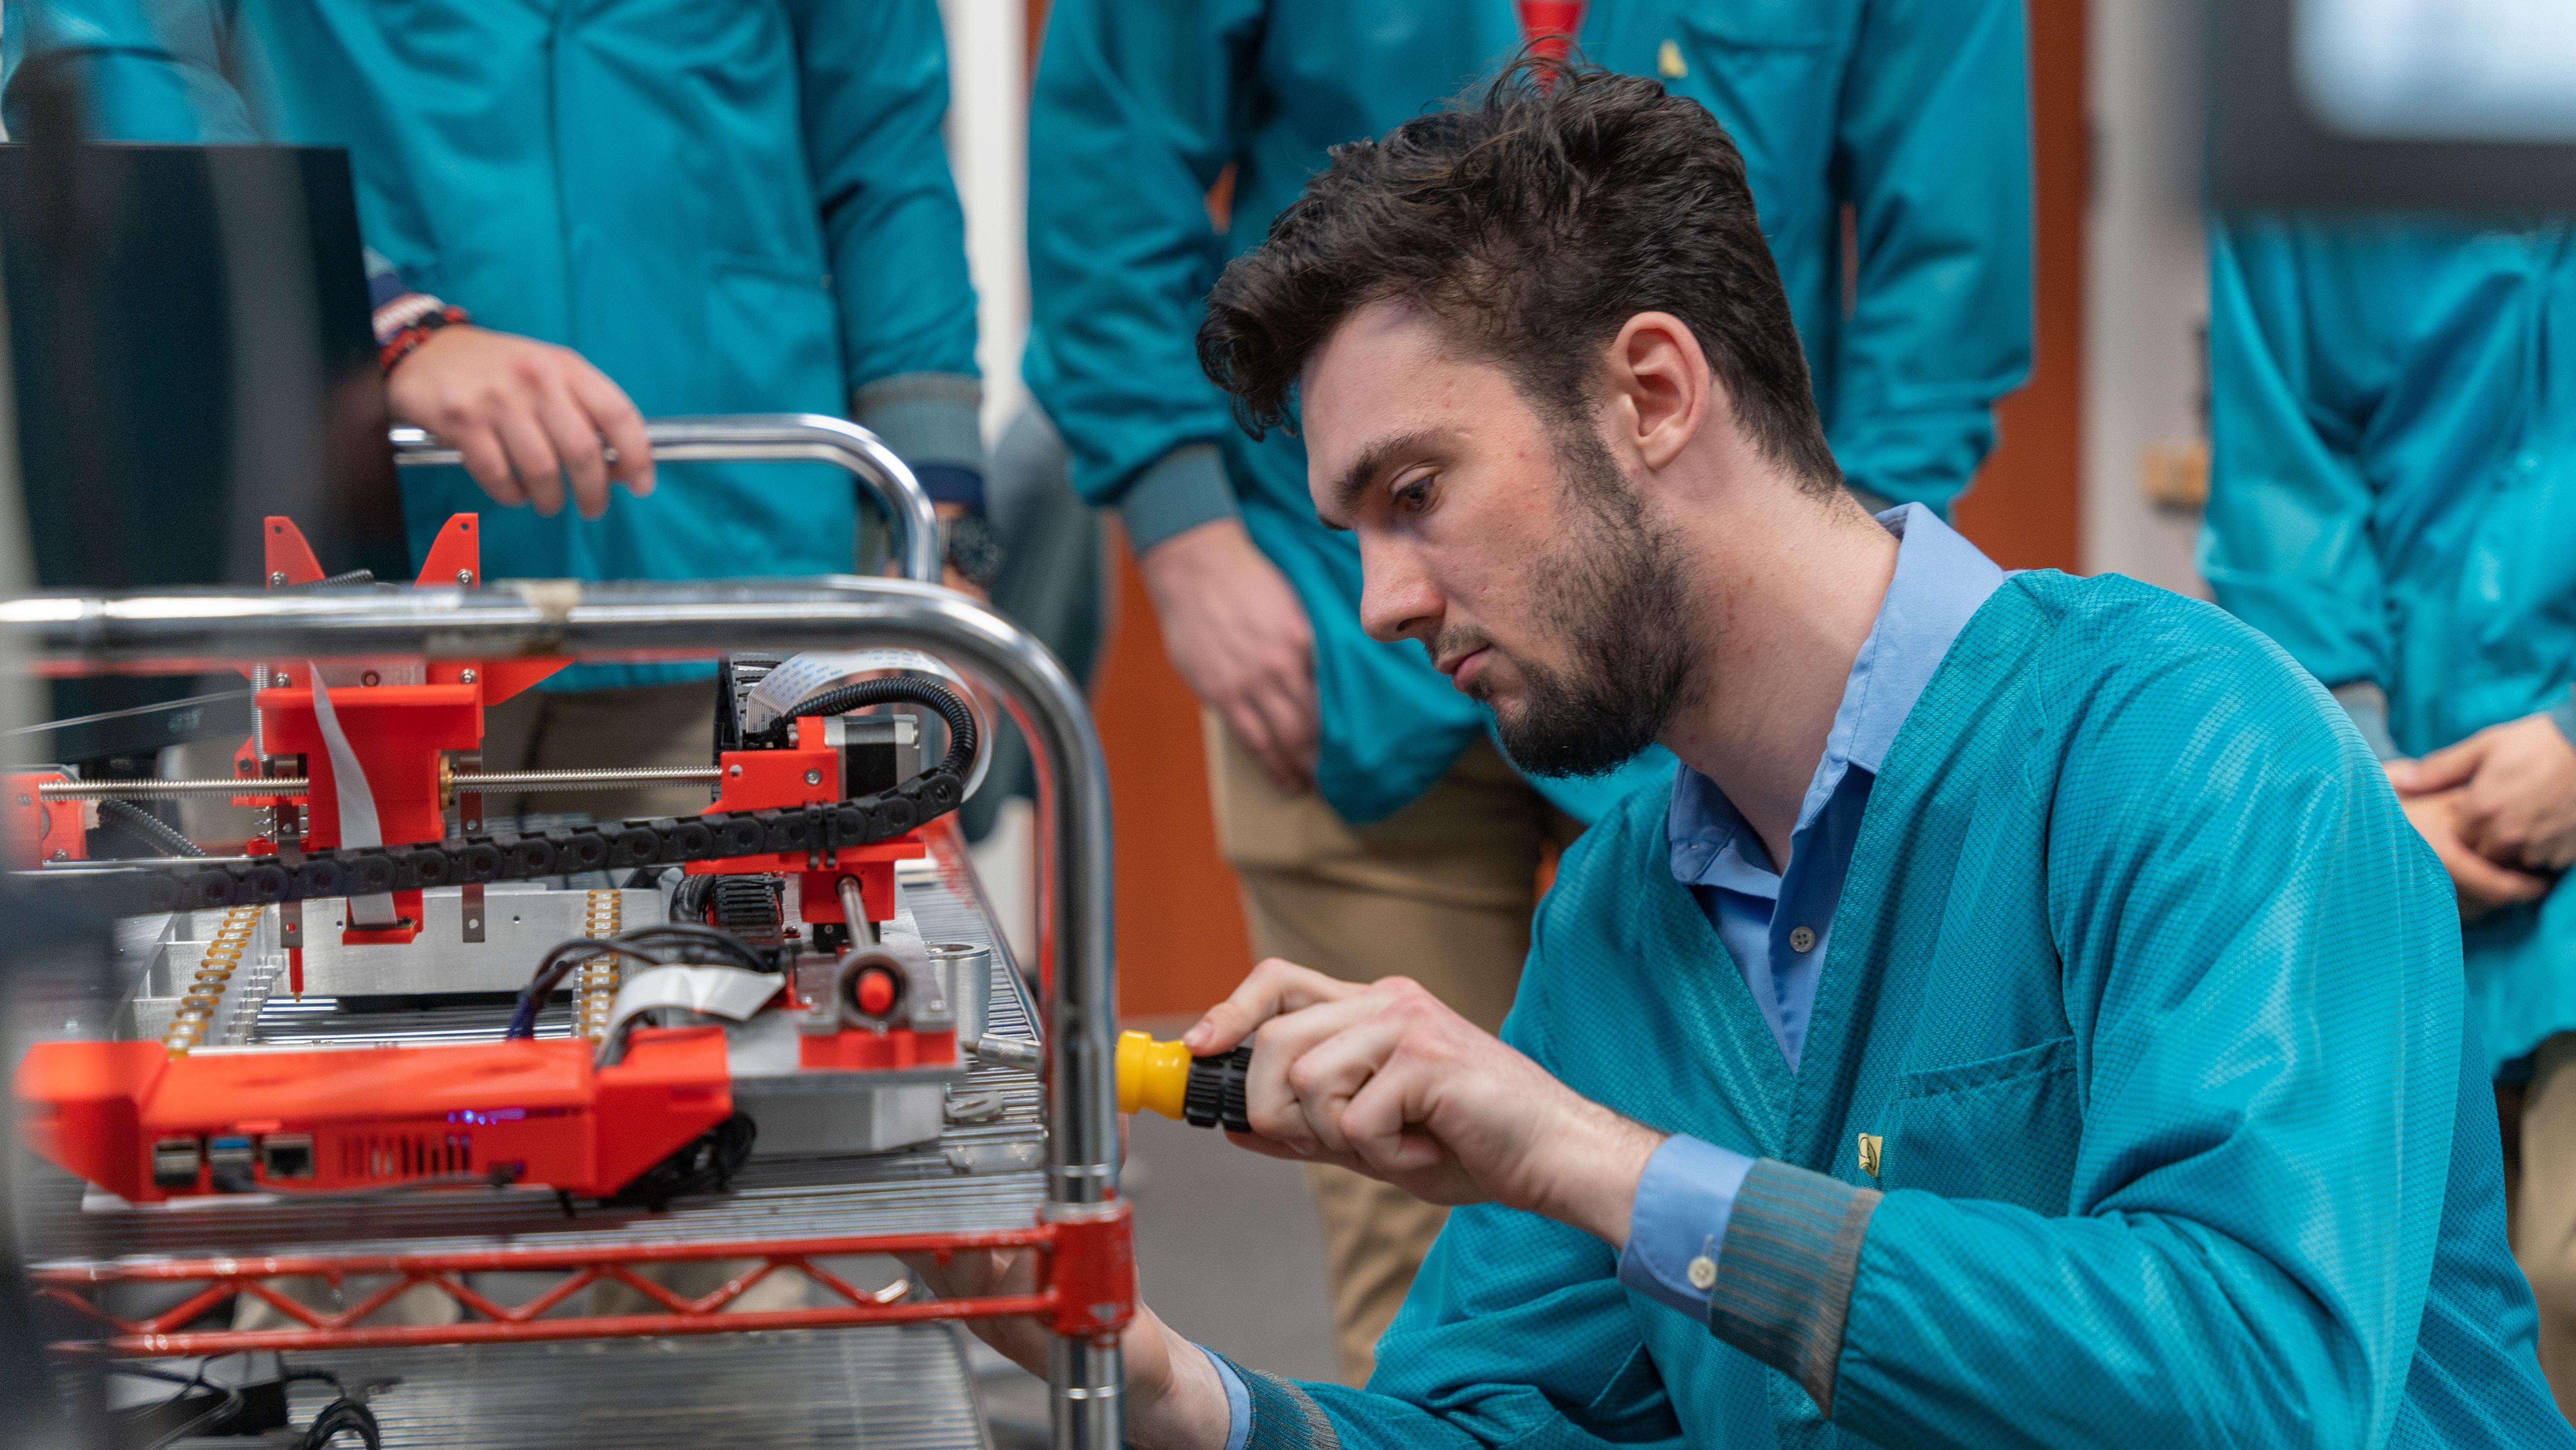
(774,337)
(2005,1128)
(1765,24)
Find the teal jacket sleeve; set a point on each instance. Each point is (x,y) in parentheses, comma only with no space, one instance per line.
(2244,932)
(145,72)
(875,95)
(1933,152)
(1516,1332)
(2287,543)
(1135,114)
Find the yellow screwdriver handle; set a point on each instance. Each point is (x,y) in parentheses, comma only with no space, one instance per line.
(1152,1075)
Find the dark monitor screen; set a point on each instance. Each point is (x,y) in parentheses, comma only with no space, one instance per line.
(2464,106)
(193,352)
(190,333)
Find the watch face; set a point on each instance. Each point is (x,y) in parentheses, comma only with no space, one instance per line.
(972,549)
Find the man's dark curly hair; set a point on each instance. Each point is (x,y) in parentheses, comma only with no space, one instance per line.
(1533,220)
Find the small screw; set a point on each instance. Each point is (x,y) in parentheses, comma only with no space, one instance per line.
(813,777)
(473,825)
(467,676)
(277,579)
(371,678)
(733,770)
(61,854)
(473,923)
(464,576)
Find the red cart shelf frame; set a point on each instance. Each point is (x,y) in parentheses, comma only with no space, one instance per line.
(1085,1286)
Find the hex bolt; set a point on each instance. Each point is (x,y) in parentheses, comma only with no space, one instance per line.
(813,777)
(465,576)
(277,579)
(466,677)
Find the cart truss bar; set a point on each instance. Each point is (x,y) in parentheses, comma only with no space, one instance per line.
(1077,1286)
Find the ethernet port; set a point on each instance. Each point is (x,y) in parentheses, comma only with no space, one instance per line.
(287,1155)
(174,1164)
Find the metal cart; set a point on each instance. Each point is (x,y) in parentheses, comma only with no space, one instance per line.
(1031,1165)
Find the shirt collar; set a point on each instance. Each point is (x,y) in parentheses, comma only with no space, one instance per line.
(1940,582)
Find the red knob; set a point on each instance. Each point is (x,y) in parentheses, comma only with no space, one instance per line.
(874,991)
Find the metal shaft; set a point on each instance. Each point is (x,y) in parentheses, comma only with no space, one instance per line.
(488,781)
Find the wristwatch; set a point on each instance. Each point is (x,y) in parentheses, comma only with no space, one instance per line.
(969,545)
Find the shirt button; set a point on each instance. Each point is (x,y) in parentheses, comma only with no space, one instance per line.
(1703,1273)
(1802,940)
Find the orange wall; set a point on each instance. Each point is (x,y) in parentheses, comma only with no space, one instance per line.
(1181,939)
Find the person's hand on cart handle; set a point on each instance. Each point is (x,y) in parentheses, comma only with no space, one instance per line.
(527,416)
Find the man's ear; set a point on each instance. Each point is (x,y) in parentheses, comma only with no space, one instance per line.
(1661,389)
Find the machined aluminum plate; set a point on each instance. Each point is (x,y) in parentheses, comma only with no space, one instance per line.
(522,921)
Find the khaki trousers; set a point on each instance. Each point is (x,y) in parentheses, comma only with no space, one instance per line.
(2539,1122)
(1441,892)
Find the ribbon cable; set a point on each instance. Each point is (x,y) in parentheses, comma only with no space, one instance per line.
(359,825)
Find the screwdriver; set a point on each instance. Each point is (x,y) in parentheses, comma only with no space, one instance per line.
(1200,1091)
(1160,1077)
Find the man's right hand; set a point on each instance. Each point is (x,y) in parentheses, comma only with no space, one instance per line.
(525,414)
(2483,886)
(1237,633)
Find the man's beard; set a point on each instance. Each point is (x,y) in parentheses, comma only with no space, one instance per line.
(1622,583)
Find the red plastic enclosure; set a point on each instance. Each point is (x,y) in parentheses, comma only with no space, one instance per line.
(147,1125)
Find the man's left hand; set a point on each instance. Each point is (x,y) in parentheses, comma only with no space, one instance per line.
(2518,792)
(1387,1080)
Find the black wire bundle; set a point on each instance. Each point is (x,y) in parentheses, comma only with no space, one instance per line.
(136,823)
(841,699)
(345,1415)
(685,942)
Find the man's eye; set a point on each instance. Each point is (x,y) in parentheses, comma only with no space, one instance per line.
(1415,495)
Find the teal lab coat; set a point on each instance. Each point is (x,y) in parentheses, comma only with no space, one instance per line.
(2393,498)
(2154,1001)
(1914,115)
(729,208)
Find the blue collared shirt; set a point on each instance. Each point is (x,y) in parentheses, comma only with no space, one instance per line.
(1777,925)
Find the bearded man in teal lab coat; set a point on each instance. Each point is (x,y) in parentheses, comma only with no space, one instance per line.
(1373,827)
(724,208)
(2089,1069)
(2393,499)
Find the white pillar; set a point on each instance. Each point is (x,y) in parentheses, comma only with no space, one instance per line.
(988,149)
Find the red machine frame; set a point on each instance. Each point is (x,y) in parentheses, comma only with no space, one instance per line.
(1086,1277)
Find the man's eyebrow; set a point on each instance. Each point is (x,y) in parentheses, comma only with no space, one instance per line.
(1373,462)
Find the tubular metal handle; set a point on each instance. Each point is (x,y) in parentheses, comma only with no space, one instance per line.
(765,437)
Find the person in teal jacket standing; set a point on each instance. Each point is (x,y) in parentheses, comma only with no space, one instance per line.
(724,208)
(2393,499)
(2094,1070)
(1372,827)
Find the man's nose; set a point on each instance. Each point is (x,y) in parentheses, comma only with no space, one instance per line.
(1397,599)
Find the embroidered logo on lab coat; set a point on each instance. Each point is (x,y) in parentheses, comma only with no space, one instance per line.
(1869,1145)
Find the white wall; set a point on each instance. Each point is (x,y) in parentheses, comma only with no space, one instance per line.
(2145,287)
(988,149)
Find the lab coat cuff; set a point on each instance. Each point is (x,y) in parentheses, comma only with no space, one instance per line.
(1279,1415)
(1677,1222)
(928,419)
(1785,1271)
(1238,1400)
(2565,716)
(1185,489)
(2367,704)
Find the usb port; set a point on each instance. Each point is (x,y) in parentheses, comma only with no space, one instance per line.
(287,1155)
(174,1163)
(228,1164)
